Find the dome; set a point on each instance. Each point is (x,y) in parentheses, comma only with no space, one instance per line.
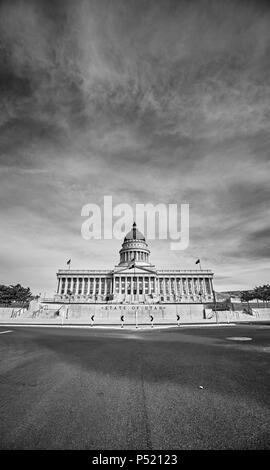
(134,234)
(134,249)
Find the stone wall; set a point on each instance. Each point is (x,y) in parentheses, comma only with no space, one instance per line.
(102,314)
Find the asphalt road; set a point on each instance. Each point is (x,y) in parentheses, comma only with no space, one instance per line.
(119,389)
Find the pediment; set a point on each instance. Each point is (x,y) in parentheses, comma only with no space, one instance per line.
(136,270)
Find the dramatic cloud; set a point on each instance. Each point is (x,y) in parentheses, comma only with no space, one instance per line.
(147,101)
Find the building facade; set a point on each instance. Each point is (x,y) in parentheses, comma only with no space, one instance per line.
(134,280)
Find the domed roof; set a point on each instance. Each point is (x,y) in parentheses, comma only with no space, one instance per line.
(134,234)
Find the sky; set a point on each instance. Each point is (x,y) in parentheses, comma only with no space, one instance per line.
(148,101)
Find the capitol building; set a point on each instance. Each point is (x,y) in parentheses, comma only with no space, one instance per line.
(135,280)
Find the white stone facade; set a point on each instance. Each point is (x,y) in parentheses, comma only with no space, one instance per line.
(135,280)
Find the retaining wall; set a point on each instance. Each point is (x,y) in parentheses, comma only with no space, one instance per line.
(103,314)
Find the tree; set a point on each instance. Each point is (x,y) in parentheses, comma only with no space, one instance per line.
(17,293)
(247,295)
(262,292)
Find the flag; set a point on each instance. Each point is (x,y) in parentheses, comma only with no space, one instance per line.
(198,261)
(69,261)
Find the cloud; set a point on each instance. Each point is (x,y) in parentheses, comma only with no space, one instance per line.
(157,101)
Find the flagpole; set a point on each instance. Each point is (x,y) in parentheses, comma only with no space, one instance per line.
(134,276)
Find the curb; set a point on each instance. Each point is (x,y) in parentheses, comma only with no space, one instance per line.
(116,327)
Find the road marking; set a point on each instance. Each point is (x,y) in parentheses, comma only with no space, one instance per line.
(240,338)
(8,331)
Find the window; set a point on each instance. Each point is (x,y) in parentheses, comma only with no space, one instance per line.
(147,285)
(134,285)
(140,285)
(91,286)
(201,286)
(63,286)
(184,281)
(208,286)
(108,282)
(129,285)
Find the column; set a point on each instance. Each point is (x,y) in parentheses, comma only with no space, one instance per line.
(66,284)
(193,286)
(181,286)
(211,287)
(125,285)
(157,285)
(204,284)
(202,287)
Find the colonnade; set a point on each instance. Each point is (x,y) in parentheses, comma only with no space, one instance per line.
(134,255)
(130,284)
